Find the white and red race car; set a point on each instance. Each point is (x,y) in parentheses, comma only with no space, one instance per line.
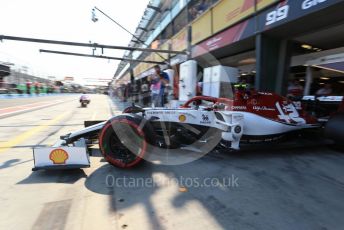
(199,125)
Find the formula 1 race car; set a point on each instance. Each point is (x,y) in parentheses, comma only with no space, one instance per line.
(199,126)
(124,140)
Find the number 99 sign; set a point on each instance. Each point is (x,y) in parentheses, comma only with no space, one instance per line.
(277,15)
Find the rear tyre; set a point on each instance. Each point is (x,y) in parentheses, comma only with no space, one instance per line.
(334,131)
(123,142)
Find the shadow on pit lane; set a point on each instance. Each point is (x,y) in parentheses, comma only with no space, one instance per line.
(9,163)
(95,152)
(242,160)
(267,180)
(101,181)
(12,162)
(69,176)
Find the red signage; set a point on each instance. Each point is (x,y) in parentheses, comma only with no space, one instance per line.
(222,39)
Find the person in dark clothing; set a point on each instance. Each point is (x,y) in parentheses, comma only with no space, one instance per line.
(145,93)
(37,88)
(164,80)
(28,87)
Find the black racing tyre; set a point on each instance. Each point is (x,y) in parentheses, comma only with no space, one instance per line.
(124,139)
(334,130)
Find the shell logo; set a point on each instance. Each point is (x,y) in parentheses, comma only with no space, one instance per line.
(182,118)
(58,156)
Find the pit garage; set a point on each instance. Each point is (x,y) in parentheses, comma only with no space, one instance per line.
(274,50)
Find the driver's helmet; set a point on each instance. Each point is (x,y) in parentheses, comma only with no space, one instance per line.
(242,90)
(242,86)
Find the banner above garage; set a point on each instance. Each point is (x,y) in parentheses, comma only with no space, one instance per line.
(287,11)
(274,16)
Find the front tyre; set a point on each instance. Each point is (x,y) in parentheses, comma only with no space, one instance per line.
(123,142)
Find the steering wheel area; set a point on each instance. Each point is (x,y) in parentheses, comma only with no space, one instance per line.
(200,102)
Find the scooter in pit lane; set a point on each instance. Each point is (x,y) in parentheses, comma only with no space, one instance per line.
(84,100)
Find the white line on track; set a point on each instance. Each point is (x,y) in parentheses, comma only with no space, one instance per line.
(23,110)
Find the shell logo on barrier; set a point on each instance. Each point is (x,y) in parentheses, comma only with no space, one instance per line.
(182,118)
(58,156)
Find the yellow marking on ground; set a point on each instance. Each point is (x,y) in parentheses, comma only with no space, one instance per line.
(94,115)
(29,133)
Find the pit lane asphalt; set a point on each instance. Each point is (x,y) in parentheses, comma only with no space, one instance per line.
(14,106)
(10,102)
(295,188)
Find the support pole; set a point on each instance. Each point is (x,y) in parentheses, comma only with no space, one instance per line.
(309,80)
